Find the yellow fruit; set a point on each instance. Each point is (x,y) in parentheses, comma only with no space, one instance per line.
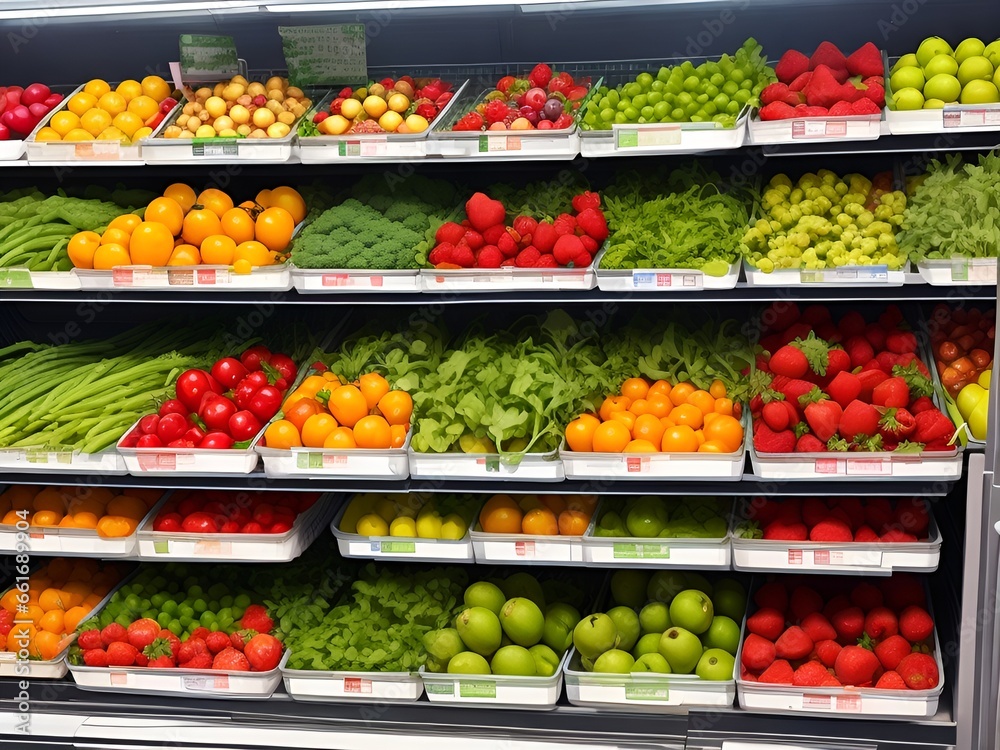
(78,104)
(375,106)
(144,106)
(155,88)
(95,121)
(113,103)
(390,121)
(48,134)
(127,122)
(399,103)
(417,123)
(78,134)
(97,88)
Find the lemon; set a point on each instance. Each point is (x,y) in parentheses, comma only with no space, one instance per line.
(372,525)
(429,526)
(403,526)
(453,527)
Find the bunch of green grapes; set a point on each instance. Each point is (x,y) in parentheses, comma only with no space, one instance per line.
(714,91)
(824,221)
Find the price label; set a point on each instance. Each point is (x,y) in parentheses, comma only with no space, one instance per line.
(477,689)
(819,128)
(982,270)
(325,55)
(205,682)
(394,548)
(208,58)
(654,136)
(644,279)
(845,275)
(633,693)
(216,148)
(489,143)
(15,278)
(971,117)
(640,551)
(357,685)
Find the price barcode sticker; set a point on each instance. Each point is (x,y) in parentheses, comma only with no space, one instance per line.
(819,128)
(974,269)
(643,279)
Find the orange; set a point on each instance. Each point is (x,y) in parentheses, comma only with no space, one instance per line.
(640,446)
(238,224)
(648,427)
(282,435)
(347,404)
(396,407)
(580,434)
(726,430)
(398,433)
(717,389)
(53,598)
(253,252)
(152,243)
(290,200)
(74,616)
(659,405)
(274,227)
(573,523)
(156,88)
(680,392)
(635,388)
(713,446)
(540,521)
(183,194)
(129,89)
(612,404)
(126,222)
(627,418)
(168,212)
(660,386)
(218,250)
(316,429)
(45,645)
(80,103)
(200,223)
(373,432)
(724,406)
(116,527)
(341,438)
(215,201)
(679,439)
(639,406)
(128,506)
(185,255)
(373,386)
(703,400)
(500,515)
(113,235)
(687,414)
(52,621)
(611,437)
(301,410)
(46,518)
(113,103)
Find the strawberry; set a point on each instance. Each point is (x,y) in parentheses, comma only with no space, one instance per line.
(869,380)
(827,54)
(794,644)
(190,649)
(831,530)
(890,681)
(90,639)
(919,671)
(881,622)
(859,419)
(855,665)
(757,654)
(892,650)
(810,444)
(484,212)
(804,601)
(114,633)
(142,632)
(801,81)
(911,514)
(849,624)
(786,531)
(859,349)
(866,534)
(822,414)
(217,641)
(791,65)
(866,596)
(772,595)
(810,674)
(779,673)
(865,61)
(932,425)
(198,661)
(777,111)
(766,440)
(95,657)
(891,393)
(827,651)
(823,89)
(231,660)
(121,654)
(915,624)
(775,415)
(766,622)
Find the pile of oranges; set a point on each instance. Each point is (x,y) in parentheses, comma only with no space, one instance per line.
(539,515)
(61,594)
(325,413)
(653,417)
(182,228)
(111,515)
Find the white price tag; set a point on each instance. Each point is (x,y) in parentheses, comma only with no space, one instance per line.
(649,279)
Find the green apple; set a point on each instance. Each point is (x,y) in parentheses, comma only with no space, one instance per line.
(975,69)
(941,64)
(715,664)
(648,644)
(931,46)
(967,48)
(692,610)
(628,587)
(627,622)
(730,599)
(614,661)
(992,53)
(723,633)
(654,618)
(907,99)
(682,649)
(980,92)
(907,78)
(904,62)
(944,87)
(652,662)
(594,635)
(935,103)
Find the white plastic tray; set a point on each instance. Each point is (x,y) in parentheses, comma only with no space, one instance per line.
(33,461)
(356,463)
(662,138)
(333,280)
(533,467)
(497,691)
(852,558)
(644,691)
(186,462)
(662,280)
(528,548)
(813,129)
(351,687)
(176,546)
(490,280)
(401,548)
(846,467)
(217,278)
(959,271)
(204,683)
(849,276)
(725,467)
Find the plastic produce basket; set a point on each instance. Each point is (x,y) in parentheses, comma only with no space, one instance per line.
(644,691)
(174,546)
(842,276)
(529,549)
(488,280)
(182,278)
(814,129)
(351,687)
(496,691)
(401,548)
(724,467)
(187,462)
(60,462)
(852,558)
(533,467)
(662,280)
(356,463)
(959,271)
(340,280)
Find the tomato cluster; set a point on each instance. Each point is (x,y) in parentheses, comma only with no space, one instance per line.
(217,512)
(221,408)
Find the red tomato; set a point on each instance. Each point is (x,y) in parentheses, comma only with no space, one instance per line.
(200,523)
(216,411)
(194,384)
(148,423)
(253,356)
(229,371)
(149,441)
(243,425)
(285,365)
(172,406)
(171,427)
(265,403)
(216,441)
(263,651)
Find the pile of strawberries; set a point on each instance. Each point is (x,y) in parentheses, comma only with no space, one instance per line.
(821,633)
(845,386)
(836,519)
(828,84)
(485,239)
(144,643)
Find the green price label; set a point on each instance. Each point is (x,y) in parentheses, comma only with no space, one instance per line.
(325,55)
(208,58)
(477,689)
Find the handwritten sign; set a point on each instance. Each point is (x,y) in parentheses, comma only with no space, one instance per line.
(325,55)
(208,58)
